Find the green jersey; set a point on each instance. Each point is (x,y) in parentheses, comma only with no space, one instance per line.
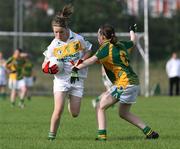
(115,60)
(28,67)
(16,66)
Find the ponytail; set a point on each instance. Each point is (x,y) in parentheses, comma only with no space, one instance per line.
(113,39)
(62,17)
(108,31)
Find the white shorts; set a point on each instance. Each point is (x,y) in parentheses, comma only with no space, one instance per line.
(127,95)
(28,81)
(76,89)
(106,81)
(20,84)
(12,84)
(16,84)
(2,81)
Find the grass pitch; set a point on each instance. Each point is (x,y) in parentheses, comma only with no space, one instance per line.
(28,128)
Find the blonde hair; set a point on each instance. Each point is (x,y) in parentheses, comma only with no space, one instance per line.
(62,17)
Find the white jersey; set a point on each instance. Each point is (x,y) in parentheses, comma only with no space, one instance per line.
(71,50)
(2,72)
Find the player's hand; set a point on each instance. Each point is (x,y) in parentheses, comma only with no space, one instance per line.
(79,62)
(52,70)
(74,75)
(133,28)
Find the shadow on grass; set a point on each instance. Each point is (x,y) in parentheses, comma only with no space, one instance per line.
(126,138)
(90,138)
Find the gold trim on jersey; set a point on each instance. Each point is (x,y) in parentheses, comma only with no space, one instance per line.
(67,49)
(108,59)
(122,81)
(13,76)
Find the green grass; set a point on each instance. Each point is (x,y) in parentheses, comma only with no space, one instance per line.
(28,128)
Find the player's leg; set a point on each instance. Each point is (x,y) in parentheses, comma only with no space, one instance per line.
(59,100)
(2,88)
(1,92)
(4,92)
(124,112)
(75,95)
(29,84)
(74,105)
(22,92)
(105,102)
(12,86)
(126,99)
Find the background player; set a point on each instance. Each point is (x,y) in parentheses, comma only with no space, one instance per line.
(68,47)
(15,66)
(115,58)
(29,76)
(3,80)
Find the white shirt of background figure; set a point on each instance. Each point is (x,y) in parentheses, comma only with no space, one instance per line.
(173,66)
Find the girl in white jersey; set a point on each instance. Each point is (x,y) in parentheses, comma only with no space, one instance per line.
(68,47)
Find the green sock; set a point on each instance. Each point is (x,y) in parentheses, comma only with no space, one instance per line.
(97,99)
(21,101)
(147,130)
(51,136)
(4,95)
(13,103)
(102,134)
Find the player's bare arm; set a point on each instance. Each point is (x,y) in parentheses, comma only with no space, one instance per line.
(88,62)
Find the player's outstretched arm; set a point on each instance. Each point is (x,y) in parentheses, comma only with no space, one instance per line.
(75,69)
(133,37)
(88,62)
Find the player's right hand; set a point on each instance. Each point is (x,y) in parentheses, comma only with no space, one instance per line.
(133,28)
(51,70)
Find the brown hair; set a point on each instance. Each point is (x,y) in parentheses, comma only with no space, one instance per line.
(109,32)
(62,17)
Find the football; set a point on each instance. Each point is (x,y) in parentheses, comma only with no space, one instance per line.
(59,63)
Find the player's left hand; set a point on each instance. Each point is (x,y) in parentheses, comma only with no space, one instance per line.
(133,28)
(74,75)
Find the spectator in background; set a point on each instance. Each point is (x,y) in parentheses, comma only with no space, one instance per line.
(2,77)
(173,72)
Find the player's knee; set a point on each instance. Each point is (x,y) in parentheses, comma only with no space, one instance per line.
(74,115)
(102,107)
(122,115)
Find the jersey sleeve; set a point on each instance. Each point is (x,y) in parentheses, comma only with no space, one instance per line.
(128,44)
(86,45)
(102,52)
(9,60)
(49,51)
